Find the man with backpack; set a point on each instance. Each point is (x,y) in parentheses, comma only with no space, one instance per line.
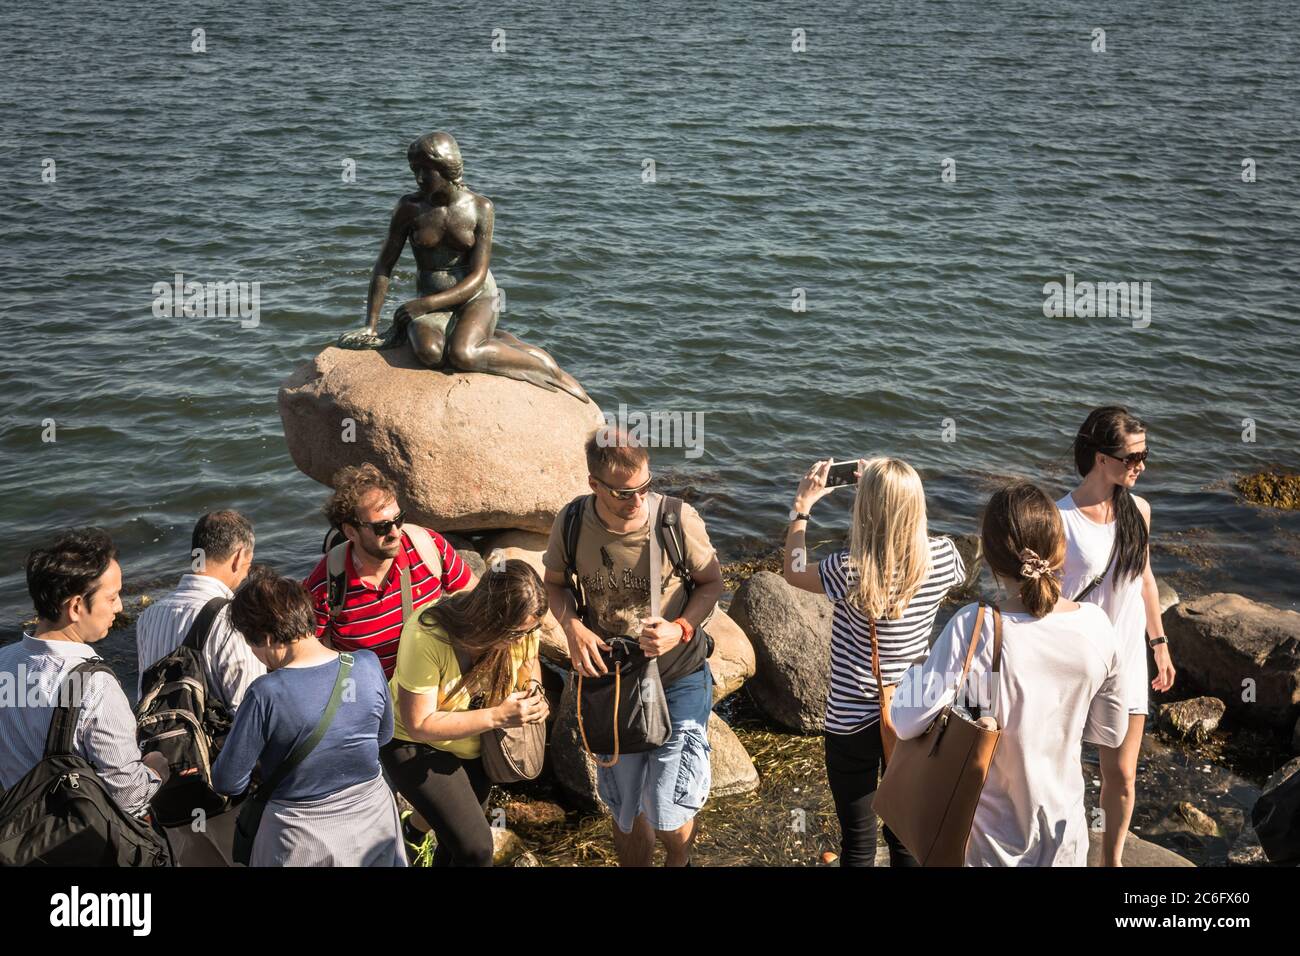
(194,669)
(75,785)
(222,549)
(603,589)
(381,571)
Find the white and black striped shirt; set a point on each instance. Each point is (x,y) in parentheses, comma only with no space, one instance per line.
(854,700)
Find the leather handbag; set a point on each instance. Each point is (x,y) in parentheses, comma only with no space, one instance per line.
(932,787)
(888,733)
(512,754)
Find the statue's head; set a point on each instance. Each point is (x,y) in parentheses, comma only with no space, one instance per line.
(435,159)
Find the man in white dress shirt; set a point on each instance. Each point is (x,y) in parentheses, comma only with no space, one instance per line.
(76,586)
(222,552)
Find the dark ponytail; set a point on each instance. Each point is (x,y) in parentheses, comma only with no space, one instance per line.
(1024,541)
(1106,430)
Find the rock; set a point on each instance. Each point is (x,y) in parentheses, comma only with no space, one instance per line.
(469,451)
(1246,851)
(506,847)
(732,662)
(732,771)
(791,634)
(575,772)
(1196,718)
(1222,641)
(1196,819)
(473,559)
(1272,489)
(1137,852)
(1295,737)
(533,813)
(527,859)
(1168,596)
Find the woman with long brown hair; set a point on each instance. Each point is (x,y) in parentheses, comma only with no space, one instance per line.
(464,666)
(1057,684)
(1108,563)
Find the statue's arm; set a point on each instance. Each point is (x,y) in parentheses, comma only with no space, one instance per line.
(388,256)
(480,259)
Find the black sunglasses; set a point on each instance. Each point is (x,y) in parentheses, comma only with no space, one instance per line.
(1130,461)
(381,528)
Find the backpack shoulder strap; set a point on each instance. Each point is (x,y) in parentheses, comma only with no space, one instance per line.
(197,635)
(672,538)
(572,529)
(336,578)
(426,548)
(67,705)
(299,753)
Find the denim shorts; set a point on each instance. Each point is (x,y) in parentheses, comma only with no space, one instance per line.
(670,783)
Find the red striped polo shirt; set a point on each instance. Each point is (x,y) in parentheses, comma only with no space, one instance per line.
(371,618)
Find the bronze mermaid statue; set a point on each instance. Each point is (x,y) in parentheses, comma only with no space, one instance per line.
(453,322)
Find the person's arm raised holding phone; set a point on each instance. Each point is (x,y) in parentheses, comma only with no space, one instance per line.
(819,481)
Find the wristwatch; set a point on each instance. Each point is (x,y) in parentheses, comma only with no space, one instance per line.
(799,515)
(1157,641)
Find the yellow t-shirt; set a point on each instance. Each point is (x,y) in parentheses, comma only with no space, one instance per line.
(426,664)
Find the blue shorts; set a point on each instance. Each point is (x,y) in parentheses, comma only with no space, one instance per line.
(670,783)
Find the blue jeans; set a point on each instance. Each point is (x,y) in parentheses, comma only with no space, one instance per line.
(670,783)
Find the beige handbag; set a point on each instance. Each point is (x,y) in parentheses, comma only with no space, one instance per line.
(888,734)
(932,787)
(512,754)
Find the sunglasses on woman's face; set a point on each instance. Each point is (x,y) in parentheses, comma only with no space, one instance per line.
(381,528)
(623,494)
(1130,461)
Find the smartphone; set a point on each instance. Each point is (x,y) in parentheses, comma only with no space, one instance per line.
(842,473)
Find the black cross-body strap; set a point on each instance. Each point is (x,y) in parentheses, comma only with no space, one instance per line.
(197,635)
(67,705)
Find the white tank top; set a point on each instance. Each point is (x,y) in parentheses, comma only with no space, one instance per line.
(1087,551)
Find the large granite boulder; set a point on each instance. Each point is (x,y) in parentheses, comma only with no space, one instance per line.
(1241,651)
(790,631)
(469,451)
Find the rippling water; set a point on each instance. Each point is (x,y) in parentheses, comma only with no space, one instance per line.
(775,170)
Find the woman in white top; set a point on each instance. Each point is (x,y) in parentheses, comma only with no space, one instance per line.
(1106,530)
(907,573)
(1057,685)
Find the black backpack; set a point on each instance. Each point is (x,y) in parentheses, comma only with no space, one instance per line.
(60,814)
(180,719)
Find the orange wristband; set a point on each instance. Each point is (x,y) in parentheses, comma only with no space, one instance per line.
(687,631)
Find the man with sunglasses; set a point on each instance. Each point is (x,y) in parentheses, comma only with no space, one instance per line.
(381,550)
(655,794)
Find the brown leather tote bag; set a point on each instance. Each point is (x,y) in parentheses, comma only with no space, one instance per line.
(932,786)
